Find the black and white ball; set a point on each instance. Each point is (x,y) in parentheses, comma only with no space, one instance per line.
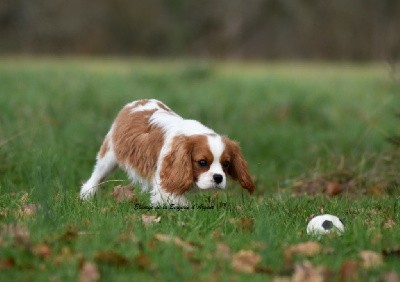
(324,224)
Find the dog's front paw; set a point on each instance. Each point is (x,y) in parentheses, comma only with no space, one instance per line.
(87,192)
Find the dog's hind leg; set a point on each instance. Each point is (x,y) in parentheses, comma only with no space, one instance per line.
(106,163)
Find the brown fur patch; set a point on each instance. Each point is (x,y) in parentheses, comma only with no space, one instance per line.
(139,103)
(180,166)
(176,169)
(136,142)
(238,165)
(104,147)
(200,151)
(164,107)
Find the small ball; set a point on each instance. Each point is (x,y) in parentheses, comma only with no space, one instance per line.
(324,224)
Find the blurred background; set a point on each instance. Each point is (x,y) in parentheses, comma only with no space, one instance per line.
(358,30)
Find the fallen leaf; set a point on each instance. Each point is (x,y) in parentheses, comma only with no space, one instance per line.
(246,223)
(70,234)
(6,263)
(377,190)
(370,259)
(111,257)
(389,224)
(333,188)
(392,276)
(149,219)
(28,210)
(143,261)
(245,261)
(42,250)
(306,249)
(223,251)
(123,193)
(89,272)
(217,234)
(176,240)
(306,272)
(349,271)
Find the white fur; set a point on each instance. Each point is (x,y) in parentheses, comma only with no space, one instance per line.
(206,180)
(172,125)
(104,166)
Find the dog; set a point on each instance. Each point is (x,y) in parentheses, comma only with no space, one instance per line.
(167,155)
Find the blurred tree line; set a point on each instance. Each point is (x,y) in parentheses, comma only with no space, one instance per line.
(288,29)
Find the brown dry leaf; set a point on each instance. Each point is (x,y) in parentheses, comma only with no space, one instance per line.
(333,188)
(306,272)
(370,259)
(246,223)
(217,234)
(17,231)
(143,261)
(392,276)
(309,249)
(377,190)
(223,251)
(111,257)
(89,272)
(389,224)
(70,234)
(28,210)
(176,240)
(149,219)
(245,261)
(6,263)
(42,250)
(349,271)
(123,193)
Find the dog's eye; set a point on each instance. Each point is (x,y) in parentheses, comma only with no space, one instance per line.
(226,164)
(202,163)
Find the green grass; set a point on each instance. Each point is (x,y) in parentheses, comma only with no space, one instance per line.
(293,121)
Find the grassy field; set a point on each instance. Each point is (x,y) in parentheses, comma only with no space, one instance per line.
(302,127)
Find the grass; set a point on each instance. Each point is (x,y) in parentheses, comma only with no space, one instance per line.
(294,122)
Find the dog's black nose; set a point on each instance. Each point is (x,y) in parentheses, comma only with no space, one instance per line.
(218,178)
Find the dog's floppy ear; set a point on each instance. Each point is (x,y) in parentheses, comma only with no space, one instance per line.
(176,169)
(238,166)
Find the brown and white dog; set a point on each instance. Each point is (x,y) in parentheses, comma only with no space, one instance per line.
(166,154)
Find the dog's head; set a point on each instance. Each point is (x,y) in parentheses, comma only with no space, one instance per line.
(204,160)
